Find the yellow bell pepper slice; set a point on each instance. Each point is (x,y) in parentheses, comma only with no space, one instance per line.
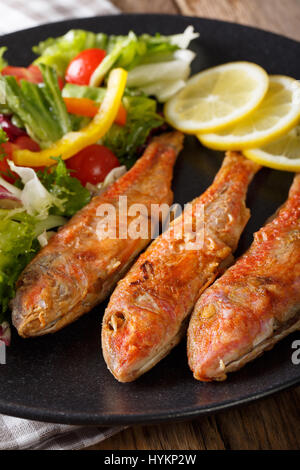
(73,142)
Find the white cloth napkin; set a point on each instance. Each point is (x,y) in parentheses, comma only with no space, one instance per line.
(16,433)
(19,14)
(23,434)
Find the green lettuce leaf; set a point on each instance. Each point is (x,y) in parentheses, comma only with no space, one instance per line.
(58,52)
(96,94)
(40,107)
(142,118)
(130,51)
(3,62)
(58,181)
(18,245)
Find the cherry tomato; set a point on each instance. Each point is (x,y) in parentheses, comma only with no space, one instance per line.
(93,164)
(22,142)
(25,142)
(81,68)
(30,74)
(7,148)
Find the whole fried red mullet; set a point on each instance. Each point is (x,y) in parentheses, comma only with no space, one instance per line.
(147,313)
(255,303)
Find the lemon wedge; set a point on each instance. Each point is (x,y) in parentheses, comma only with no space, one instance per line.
(282,154)
(217,97)
(276,115)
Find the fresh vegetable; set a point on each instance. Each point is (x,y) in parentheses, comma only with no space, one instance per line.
(58,181)
(17,247)
(3,62)
(92,98)
(4,168)
(96,94)
(93,164)
(128,52)
(80,68)
(58,52)
(176,68)
(25,142)
(81,106)
(71,143)
(10,129)
(160,62)
(3,136)
(88,108)
(35,198)
(131,50)
(31,74)
(7,149)
(142,118)
(8,200)
(39,106)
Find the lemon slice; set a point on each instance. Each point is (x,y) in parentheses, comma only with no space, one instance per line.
(217,97)
(282,154)
(277,114)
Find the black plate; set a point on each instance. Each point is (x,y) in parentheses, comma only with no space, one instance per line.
(63,378)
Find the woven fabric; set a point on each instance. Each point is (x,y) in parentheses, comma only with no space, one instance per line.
(18,14)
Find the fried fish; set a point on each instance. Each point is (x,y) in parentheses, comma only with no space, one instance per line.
(147,313)
(78,269)
(255,303)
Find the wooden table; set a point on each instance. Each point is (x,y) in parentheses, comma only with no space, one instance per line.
(272,423)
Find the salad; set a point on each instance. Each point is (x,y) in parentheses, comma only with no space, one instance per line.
(70,123)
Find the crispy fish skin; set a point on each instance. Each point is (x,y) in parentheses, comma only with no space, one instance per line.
(255,303)
(77,270)
(146,315)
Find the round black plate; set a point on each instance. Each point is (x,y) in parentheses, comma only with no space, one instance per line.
(63,377)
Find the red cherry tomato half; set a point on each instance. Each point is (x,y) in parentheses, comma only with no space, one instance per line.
(93,164)
(80,69)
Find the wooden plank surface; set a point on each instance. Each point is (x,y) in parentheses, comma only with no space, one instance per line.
(272,423)
(279,16)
